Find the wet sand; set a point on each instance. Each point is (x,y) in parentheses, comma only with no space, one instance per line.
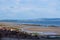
(45,29)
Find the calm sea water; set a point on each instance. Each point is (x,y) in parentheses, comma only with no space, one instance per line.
(41,22)
(46,23)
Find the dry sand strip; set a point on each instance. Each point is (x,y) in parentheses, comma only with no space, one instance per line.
(47,30)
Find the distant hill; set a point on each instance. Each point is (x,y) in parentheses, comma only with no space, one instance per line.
(52,19)
(32,20)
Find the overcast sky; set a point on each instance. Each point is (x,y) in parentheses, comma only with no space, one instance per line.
(26,9)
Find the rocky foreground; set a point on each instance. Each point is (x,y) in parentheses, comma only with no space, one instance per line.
(15,35)
(11,31)
(15,32)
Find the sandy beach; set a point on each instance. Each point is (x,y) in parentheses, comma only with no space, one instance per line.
(34,28)
(48,29)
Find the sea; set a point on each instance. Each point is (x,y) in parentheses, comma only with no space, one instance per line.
(44,21)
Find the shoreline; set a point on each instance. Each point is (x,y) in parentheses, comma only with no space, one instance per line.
(31,30)
(30,27)
(31,24)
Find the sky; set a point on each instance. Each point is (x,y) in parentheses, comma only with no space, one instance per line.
(29,9)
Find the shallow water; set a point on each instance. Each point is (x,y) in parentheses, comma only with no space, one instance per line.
(7,38)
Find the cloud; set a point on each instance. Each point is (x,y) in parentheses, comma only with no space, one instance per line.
(29,8)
